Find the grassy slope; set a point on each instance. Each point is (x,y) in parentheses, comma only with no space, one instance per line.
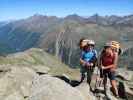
(35,57)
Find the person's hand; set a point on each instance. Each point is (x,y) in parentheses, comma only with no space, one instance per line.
(88,64)
(102,67)
(91,64)
(85,64)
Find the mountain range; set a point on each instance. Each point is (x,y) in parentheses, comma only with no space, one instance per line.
(60,36)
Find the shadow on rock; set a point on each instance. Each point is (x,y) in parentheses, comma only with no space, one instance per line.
(73,83)
(98,91)
(41,73)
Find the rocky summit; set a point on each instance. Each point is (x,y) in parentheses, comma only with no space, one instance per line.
(27,81)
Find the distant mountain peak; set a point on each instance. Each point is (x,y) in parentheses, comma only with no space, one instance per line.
(42,17)
(73,15)
(36,16)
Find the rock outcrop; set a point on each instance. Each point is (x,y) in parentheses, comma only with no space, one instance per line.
(46,87)
(32,83)
(16,84)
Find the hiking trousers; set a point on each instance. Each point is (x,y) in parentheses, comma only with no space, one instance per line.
(84,70)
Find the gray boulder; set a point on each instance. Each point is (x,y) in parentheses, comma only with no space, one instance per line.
(124,74)
(40,69)
(14,96)
(46,87)
(85,90)
(16,83)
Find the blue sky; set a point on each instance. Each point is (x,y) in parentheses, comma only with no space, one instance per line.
(17,9)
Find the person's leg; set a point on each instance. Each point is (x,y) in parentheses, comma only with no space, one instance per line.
(89,75)
(82,77)
(114,87)
(101,73)
(113,83)
(82,74)
(105,81)
(101,78)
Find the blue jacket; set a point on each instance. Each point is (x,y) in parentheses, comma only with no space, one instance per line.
(89,56)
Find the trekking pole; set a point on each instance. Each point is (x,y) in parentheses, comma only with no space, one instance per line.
(97,78)
(101,76)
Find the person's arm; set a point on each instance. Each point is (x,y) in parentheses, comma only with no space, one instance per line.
(114,64)
(94,59)
(100,61)
(82,62)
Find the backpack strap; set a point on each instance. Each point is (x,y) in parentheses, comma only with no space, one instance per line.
(94,56)
(95,53)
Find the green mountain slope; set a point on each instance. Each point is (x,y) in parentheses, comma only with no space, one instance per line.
(38,58)
(60,36)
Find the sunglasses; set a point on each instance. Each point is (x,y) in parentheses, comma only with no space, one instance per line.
(91,45)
